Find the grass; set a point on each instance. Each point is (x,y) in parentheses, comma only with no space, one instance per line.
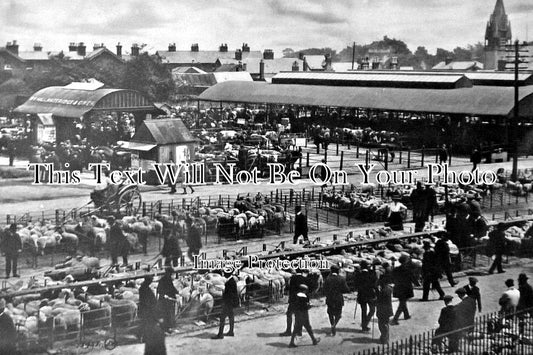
(10,172)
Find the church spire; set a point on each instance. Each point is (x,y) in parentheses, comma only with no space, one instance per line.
(498,33)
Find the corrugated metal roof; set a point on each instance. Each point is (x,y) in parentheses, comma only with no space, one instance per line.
(74,103)
(223,76)
(482,100)
(369,78)
(459,65)
(181,57)
(163,131)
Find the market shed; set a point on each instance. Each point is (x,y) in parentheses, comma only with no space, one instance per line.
(160,141)
(476,101)
(74,103)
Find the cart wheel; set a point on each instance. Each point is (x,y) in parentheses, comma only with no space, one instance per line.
(129,203)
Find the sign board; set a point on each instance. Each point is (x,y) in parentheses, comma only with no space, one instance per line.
(241,121)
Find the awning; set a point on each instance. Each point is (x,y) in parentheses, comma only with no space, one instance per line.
(46,119)
(145,147)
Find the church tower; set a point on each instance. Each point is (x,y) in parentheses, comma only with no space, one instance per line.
(497,36)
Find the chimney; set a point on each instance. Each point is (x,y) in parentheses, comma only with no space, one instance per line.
(239,66)
(268,54)
(135,49)
(97,46)
(245,47)
(448,60)
(295,66)
(262,70)
(13,47)
(37,47)
(301,55)
(305,66)
(81,49)
(195,47)
(365,65)
(72,47)
(238,54)
(223,48)
(172,47)
(119,49)
(244,67)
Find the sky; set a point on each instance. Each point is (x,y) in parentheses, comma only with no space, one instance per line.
(274,24)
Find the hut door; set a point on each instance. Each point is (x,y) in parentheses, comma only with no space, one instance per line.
(182,154)
(164,154)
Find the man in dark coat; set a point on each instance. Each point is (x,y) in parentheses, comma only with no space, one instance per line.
(419,202)
(443,154)
(117,243)
(294,283)
(403,278)
(230,299)
(384,307)
(431,272)
(431,202)
(526,294)
(155,340)
(334,287)
(301,307)
(446,320)
(300,225)
(442,252)
(464,316)
(147,306)
(366,282)
(171,250)
(11,246)
(167,299)
(473,291)
(8,333)
(497,244)
(194,241)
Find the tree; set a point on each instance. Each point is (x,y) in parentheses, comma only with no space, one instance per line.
(289,53)
(149,76)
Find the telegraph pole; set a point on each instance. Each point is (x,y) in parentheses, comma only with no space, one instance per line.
(516,112)
(353,55)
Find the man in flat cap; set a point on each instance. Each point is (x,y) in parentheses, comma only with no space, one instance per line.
(403,279)
(525,303)
(431,272)
(497,244)
(510,298)
(464,316)
(366,281)
(446,320)
(473,291)
(334,287)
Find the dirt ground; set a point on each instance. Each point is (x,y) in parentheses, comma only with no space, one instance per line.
(260,335)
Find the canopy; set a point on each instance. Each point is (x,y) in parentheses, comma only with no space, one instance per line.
(477,100)
(61,101)
(145,147)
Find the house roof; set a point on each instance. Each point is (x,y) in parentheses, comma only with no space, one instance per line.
(102,51)
(64,102)
(11,54)
(344,66)
(163,131)
(272,66)
(188,70)
(183,57)
(477,100)
(459,65)
(209,79)
(34,55)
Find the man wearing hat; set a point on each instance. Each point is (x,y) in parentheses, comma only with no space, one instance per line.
(431,272)
(497,244)
(118,244)
(11,246)
(167,299)
(230,299)
(366,282)
(526,294)
(8,332)
(446,320)
(419,201)
(294,286)
(510,298)
(384,307)
(301,312)
(403,279)
(464,315)
(473,291)
(300,225)
(334,287)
